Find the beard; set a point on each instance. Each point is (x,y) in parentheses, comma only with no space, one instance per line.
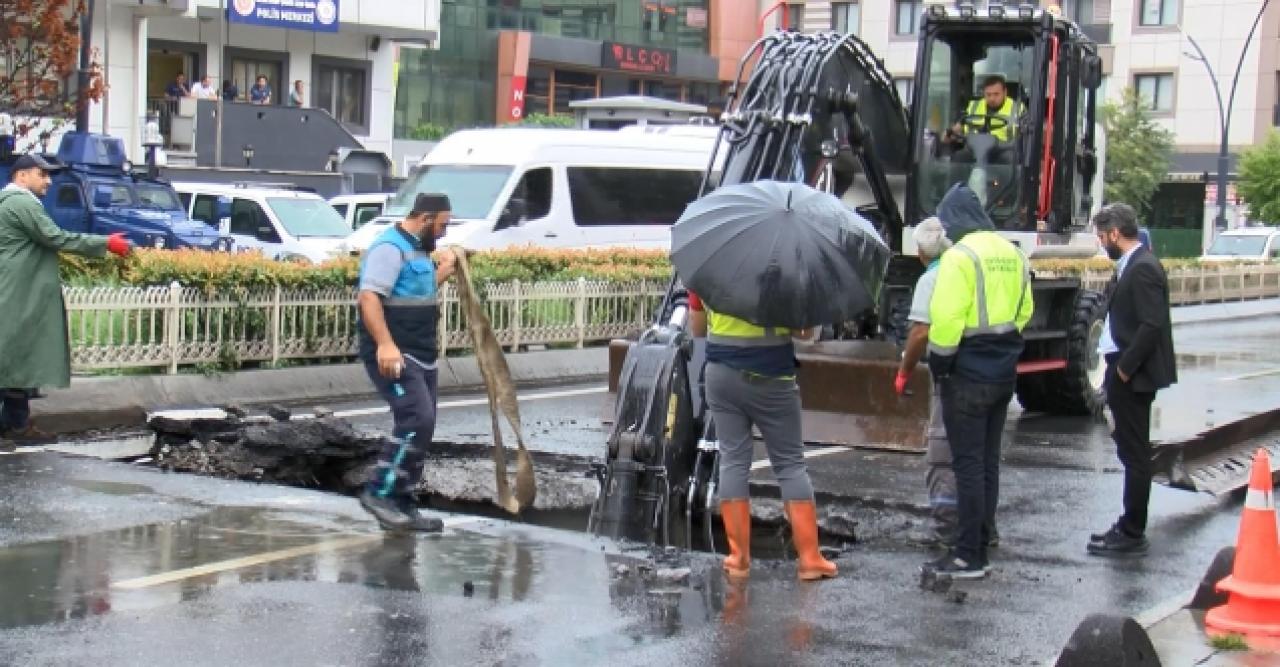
(1114,252)
(428,239)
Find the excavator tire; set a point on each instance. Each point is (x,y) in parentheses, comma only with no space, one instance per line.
(1075,390)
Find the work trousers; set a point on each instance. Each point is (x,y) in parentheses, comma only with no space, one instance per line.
(737,402)
(974,414)
(1131,431)
(412,398)
(15,409)
(939,478)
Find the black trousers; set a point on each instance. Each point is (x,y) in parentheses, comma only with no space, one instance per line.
(974,413)
(15,409)
(412,398)
(1131,412)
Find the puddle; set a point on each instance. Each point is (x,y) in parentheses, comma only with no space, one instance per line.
(110,488)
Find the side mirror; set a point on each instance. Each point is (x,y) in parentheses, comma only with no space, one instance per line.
(267,235)
(512,214)
(1091,71)
(102,197)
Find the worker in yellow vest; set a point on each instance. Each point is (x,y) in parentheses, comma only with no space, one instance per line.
(978,310)
(751,381)
(996,113)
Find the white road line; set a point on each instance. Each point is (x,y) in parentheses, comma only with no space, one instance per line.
(808,454)
(468,402)
(266,557)
(1250,376)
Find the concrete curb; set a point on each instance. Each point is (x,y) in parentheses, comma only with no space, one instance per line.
(113,402)
(1225,312)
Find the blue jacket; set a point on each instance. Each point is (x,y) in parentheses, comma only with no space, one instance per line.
(411,310)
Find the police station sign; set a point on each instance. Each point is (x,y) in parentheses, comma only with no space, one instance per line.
(312,15)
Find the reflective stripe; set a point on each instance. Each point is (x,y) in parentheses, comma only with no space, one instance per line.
(409,301)
(1259,500)
(389,479)
(768,340)
(985,328)
(943,350)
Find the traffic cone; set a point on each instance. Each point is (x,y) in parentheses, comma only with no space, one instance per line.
(1253,587)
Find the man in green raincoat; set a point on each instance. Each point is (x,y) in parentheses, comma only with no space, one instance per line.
(34,349)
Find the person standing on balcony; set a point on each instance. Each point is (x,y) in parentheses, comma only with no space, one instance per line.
(33,332)
(177,89)
(230,91)
(296,95)
(204,89)
(398,334)
(260,93)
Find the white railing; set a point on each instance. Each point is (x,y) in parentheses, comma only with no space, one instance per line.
(168,327)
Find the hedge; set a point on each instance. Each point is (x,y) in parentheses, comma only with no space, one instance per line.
(217,271)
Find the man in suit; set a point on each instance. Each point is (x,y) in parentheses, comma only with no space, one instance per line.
(1137,342)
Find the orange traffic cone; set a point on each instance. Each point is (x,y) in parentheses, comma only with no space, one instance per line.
(1253,605)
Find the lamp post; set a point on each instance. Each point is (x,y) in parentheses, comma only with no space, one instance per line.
(1224,115)
(247,152)
(152,139)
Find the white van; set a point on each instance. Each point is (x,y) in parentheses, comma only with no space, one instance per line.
(557,188)
(356,210)
(1245,244)
(283,223)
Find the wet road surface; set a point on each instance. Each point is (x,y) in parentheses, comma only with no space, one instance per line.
(117,564)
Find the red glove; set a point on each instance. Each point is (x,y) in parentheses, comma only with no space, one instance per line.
(694,302)
(900,383)
(117,244)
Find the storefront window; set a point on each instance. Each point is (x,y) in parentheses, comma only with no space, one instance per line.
(537,97)
(667,90)
(571,86)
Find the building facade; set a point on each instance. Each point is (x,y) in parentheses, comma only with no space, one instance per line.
(1145,44)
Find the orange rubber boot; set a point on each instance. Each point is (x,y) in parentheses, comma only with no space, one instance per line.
(736,515)
(803,515)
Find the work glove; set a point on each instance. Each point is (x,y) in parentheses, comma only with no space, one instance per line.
(117,244)
(900,383)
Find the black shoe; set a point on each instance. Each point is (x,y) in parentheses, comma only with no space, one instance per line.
(385,511)
(955,567)
(1117,544)
(1101,537)
(30,436)
(993,540)
(418,523)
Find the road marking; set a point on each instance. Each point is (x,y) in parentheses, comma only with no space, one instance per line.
(1250,376)
(809,454)
(263,558)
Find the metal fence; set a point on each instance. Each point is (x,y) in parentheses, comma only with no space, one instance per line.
(168,327)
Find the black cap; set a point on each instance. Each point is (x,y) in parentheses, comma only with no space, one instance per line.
(35,161)
(430,202)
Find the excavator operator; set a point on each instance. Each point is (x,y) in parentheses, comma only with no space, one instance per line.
(995,113)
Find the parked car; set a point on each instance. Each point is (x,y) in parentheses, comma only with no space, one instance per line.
(100,193)
(282,222)
(360,209)
(556,188)
(1245,244)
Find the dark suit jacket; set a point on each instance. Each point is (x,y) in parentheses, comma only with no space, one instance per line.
(1140,324)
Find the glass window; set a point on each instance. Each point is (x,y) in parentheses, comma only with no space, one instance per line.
(472,190)
(906,87)
(906,17)
(571,86)
(535,189)
(537,87)
(846,17)
(341,210)
(617,196)
(667,90)
(1244,246)
(304,218)
(245,72)
(340,90)
(1158,12)
(206,210)
(795,17)
(69,196)
(364,213)
(158,196)
(1080,11)
(247,217)
(1156,90)
(186,200)
(121,194)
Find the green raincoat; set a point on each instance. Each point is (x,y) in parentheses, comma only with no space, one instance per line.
(34,350)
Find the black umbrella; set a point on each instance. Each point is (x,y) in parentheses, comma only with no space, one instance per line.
(779,254)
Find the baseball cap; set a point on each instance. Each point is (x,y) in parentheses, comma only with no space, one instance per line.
(430,202)
(35,161)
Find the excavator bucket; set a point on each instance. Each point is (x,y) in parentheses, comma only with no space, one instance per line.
(846,390)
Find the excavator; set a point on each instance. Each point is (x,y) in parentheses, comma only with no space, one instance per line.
(822,109)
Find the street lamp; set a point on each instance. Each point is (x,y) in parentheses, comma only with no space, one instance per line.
(247,152)
(1224,115)
(152,139)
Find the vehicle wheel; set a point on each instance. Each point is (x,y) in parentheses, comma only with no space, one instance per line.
(1076,390)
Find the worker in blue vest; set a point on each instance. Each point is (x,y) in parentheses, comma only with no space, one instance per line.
(399,282)
(751,381)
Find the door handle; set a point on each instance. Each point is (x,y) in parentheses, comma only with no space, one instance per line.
(551,235)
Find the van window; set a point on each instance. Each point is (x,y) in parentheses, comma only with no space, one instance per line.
(535,189)
(305,217)
(619,196)
(69,196)
(186,200)
(206,210)
(341,209)
(472,189)
(365,213)
(247,217)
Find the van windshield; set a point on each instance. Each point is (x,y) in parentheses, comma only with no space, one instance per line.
(472,190)
(1242,246)
(303,217)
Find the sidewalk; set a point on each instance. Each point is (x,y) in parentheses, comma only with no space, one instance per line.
(1221,312)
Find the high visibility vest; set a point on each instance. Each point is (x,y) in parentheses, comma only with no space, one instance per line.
(729,330)
(1007,111)
(984,288)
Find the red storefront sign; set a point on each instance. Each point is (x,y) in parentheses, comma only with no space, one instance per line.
(515,110)
(640,59)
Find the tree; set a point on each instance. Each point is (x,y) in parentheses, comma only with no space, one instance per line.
(1138,151)
(39,59)
(1260,179)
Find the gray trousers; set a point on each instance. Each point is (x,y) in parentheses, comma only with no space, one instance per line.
(738,402)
